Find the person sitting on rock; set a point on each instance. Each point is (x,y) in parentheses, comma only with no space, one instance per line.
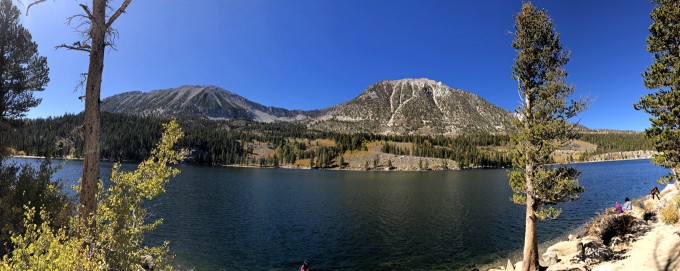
(627,206)
(617,206)
(655,192)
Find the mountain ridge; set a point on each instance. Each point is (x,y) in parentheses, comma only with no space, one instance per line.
(404,106)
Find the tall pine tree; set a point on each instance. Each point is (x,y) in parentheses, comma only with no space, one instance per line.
(542,125)
(22,70)
(664,77)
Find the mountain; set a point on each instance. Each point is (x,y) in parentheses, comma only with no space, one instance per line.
(419,106)
(198,101)
(406,106)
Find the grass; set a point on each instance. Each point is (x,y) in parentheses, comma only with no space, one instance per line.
(669,214)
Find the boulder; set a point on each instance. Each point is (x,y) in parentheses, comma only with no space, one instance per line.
(568,267)
(668,189)
(605,267)
(593,251)
(509,266)
(550,258)
(573,237)
(518,265)
(565,250)
(616,242)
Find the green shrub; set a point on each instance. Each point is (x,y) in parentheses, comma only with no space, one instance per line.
(608,226)
(669,214)
(115,242)
(27,186)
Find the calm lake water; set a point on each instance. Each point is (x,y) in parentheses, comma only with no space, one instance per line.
(219,218)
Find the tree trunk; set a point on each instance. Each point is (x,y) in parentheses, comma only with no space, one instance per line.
(92,130)
(530,259)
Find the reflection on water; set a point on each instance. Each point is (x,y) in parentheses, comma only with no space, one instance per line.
(273,219)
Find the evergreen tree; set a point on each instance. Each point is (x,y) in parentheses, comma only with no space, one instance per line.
(22,71)
(542,125)
(664,76)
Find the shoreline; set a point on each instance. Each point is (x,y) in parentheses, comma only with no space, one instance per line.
(381,169)
(654,246)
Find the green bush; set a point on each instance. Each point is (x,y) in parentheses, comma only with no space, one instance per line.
(669,214)
(115,241)
(608,226)
(27,186)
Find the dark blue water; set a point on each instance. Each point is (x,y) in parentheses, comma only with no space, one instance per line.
(220,218)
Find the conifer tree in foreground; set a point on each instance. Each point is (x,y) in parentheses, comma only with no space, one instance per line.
(541,126)
(22,71)
(664,76)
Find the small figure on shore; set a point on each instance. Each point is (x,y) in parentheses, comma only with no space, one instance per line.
(655,192)
(617,206)
(627,206)
(305,266)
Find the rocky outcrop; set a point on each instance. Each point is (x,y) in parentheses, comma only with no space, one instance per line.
(626,155)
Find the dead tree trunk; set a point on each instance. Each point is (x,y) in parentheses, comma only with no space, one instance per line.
(92,129)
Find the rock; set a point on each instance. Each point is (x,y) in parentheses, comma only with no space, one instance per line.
(147,263)
(605,267)
(564,248)
(593,251)
(509,266)
(568,267)
(668,189)
(550,258)
(573,237)
(616,241)
(518,266)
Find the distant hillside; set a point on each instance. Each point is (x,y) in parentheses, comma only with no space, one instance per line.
(407,106)
(419,106)
(128,137)
(197,101)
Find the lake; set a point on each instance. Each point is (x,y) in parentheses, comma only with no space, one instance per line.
(219,218)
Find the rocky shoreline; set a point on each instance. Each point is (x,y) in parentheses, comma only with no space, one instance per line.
(634,240)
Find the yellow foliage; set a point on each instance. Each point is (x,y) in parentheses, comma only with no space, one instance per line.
(116,238)
(41,248)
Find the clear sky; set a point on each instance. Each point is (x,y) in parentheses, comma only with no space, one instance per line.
(310,54)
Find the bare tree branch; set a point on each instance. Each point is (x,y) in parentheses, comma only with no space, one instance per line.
(81,85)
(120,11)
(34,3)
(76,46)
(86,9)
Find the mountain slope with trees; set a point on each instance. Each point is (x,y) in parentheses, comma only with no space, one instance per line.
(407,106)
(259,144)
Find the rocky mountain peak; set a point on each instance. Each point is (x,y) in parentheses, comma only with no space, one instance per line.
(405,106)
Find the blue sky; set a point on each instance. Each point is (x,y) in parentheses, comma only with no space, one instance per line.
(310,54)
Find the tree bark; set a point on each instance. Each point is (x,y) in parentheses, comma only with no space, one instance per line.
(530,253)
(92,129)
(530,259)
